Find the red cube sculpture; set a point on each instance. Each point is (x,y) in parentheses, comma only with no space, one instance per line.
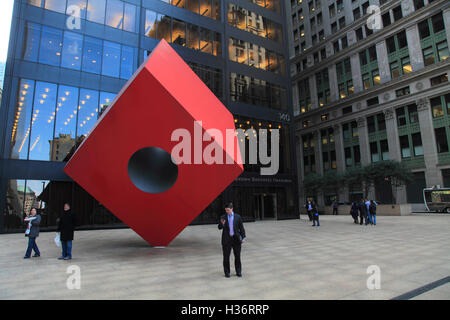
(126,164)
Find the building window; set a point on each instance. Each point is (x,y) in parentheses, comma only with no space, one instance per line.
(347,110)
(406,65)
(359,34)
(442,49)
(402,92)
(424,30)
(418,4)
(428,55)
(436,107)
(56,5)
(342,23)
(384,148)
(401,116)
(413,115)
(324,117)
(395,72)
(374,152)
(404,146)
(439,79)
(437,22)
(417,144)
(51,45)
(348,157)
(386,18)
(372,102)
(332,10)
(441,140)
(356,14)
(397,11)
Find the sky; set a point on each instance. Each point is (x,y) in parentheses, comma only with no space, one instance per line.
(6,7)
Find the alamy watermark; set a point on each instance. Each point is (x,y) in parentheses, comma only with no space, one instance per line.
(374,280)
(73,282)
(222,150)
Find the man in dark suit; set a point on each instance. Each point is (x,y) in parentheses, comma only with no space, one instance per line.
(233,235)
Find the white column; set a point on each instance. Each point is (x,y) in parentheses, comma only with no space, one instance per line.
(407,7)
(313,91)
(340,157)
(414,47)
(332,75)
(394,149)
(383,62)
(446,16)
(433,175)
(356,73)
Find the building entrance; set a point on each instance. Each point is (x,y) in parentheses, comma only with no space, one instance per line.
(265,205)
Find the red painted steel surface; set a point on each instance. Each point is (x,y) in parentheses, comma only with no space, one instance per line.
(163,95)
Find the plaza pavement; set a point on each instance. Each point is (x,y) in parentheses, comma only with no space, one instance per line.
(281,260)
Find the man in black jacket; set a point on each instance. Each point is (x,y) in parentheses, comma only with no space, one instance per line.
(233,235)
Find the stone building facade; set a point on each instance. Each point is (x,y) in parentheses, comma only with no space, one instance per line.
(370,83)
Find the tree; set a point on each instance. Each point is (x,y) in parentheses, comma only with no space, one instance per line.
(332,181)
(393,172)
(312,184)
(354,179)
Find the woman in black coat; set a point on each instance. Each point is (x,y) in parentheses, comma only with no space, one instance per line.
(66,227)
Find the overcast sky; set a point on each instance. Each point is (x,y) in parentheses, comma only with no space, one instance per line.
(6,7)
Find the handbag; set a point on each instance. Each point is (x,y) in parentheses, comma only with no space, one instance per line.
(58,239)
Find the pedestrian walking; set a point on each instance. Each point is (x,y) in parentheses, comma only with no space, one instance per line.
(368,218)
(354,212)
(315,213)
(233,235)
(32,232)
(373,212)
(362,212)
(335,208)
(309,209)
(66,227)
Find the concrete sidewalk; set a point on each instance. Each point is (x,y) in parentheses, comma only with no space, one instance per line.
(281,260)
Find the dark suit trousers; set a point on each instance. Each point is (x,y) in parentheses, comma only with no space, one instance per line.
(226,248)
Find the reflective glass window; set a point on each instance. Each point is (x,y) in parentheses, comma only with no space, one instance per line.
(111,59)
(56,5)
(128,62)
(81,4)
(205,8)
(43,119)
(163,28)
(37,3)
(92,55)
(150,23)
(205,40)
(179,32)
(192,39)
(96,11)
(87,111)
(130,18)
(22,120)
(51,44)
(72,46)
(217,44)
(33,35)
(114,14)
(178,3)
(66,122)
(106,99)
(216,9)
(193,5)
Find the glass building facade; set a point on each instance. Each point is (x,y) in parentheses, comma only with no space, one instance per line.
(68,59)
